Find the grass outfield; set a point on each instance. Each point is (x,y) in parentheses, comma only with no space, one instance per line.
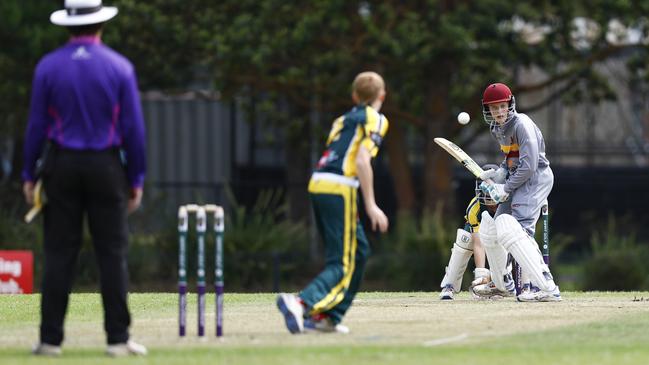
(387,328)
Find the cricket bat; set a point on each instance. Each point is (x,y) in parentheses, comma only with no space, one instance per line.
(461,156)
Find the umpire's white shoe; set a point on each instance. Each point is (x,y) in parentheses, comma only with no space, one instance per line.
(541,296)
(43,349)
(126,349)
(447,292)
(293,312)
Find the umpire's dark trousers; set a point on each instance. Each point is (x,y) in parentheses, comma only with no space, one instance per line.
(91,184)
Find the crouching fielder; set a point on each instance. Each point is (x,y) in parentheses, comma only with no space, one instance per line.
(521,197)
(467,242)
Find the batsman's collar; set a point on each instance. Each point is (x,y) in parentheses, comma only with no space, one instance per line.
(83,12)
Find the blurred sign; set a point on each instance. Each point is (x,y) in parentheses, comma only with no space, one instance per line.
(16,272)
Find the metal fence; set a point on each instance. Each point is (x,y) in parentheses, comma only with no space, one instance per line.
(197,145)
(189,149)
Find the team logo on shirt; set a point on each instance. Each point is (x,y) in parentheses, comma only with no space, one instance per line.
(81,54)
(327,156)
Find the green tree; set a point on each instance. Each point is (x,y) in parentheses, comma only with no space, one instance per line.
(299,57)
(437,56)
(25,34)
(160,38)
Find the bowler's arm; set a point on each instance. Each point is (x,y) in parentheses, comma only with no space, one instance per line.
(366,179)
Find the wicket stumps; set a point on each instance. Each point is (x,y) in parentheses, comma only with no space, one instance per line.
(546,234)
(545,248)
(201,229)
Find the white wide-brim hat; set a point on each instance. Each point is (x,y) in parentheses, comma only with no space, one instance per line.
(83,12)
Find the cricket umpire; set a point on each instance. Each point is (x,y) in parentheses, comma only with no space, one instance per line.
(86,126)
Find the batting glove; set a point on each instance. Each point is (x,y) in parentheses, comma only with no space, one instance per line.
(497,176)
(495,191)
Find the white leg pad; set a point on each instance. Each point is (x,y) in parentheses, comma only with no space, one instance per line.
(460,255)
(525,277)
(496,254)
(525,251)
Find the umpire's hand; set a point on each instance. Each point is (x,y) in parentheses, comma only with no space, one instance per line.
(28,191)
(135,199)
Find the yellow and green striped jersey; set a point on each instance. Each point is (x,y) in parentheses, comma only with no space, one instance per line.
(473,215)
(362,125)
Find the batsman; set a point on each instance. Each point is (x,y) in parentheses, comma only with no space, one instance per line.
(528,183)
(467,243)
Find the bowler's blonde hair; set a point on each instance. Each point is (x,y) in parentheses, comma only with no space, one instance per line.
(368,86)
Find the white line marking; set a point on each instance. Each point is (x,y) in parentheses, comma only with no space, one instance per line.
(442,341)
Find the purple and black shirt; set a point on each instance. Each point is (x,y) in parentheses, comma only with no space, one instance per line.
(85,97)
